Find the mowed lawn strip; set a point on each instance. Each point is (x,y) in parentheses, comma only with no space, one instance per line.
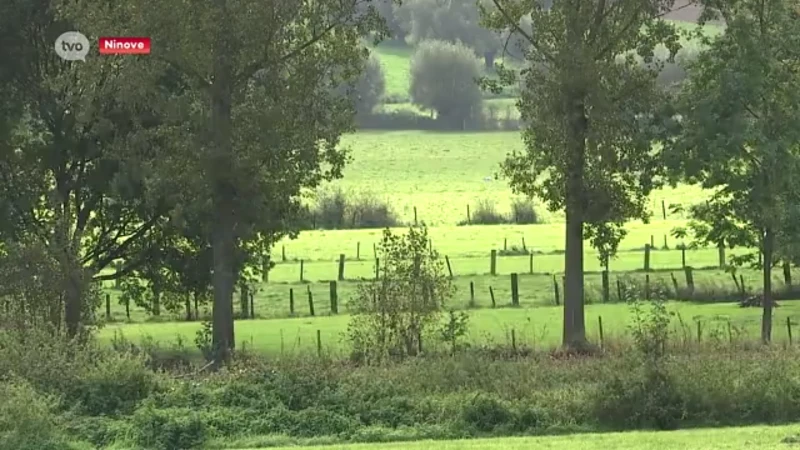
(744,438)
(534,327)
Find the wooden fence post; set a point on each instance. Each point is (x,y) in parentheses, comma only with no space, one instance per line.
(301,270)
(252,305)
(283,253)
(491,294)
(244,300)
(108,306)
(555,291)
(647,287)
(334,298)
(666,247)
(646,257)
(449,268)
(789,329)
(319,343)
(787,274)
(699,331)
(291,301)
(524,247)
(377,268)
(663,210)
(505,244)
(358,251)
(469,216)
(514,289)
(128,308)
(493,263)
(689,278)
(341,267)
(118,280)
(415,216)
(310,301)
(530,264)
(471,294)
(652,242)
(619,291)
(674,284)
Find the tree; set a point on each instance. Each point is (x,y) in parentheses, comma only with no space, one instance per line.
(265,122)
(444,78)
(591,114)
(368,90)
(393,312)
(73,173)
(740,133)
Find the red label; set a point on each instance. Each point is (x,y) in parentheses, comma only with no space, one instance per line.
(124,45)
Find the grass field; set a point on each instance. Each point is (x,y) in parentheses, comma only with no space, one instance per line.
(756,437)
(440,173)
(533,327)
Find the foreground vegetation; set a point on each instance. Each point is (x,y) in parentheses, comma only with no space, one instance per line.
(58,392)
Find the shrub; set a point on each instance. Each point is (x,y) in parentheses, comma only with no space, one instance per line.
(522,212)
(167,429)
(368,89)
(486,214)
(336,211)
(27,420)
(393,312)
(444,79)
(485,413)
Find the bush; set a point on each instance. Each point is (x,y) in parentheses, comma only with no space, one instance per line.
(335,211)
(27,420)
(522,212)
(369,88)
(444,78)
(167,429)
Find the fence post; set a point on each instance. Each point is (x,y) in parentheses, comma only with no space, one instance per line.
(244,300)
(530,263)
(787,274)
(374,250)
(449,268)
(491,294)
(674,284)
(505,244)
(606,287)
(699,331)
(128,308)
(108,306)
(471,294)
(619,290)
(789,329)
(358,251)
(319,343)
(341,267)
(118,269)
(524,247)
(689,279)
(647,287)
(252,305)
(555,290)
(652,242)
(283,253)
(514,289)
(646,257)
(334,299)
(291,301)
(663,210)
(469,216)
(666,247)
(301,270)
(415,215)
(310,301)
(683,255)
(377,268)
(493,263)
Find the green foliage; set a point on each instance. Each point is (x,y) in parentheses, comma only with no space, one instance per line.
(167,429)
(27,419)
(485,213)
(370,87)
(444,79)
(392,313)
(454,329)
(337,210)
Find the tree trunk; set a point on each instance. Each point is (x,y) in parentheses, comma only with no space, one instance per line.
(766,317)
(223,236)
(574,324)
(73,295)
(488,59)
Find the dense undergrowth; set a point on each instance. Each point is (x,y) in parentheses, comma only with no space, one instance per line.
(55,393)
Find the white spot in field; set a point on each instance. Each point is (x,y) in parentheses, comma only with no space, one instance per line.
(487,179)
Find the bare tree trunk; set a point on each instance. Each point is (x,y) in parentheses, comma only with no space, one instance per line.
(766,317)
(223,236)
